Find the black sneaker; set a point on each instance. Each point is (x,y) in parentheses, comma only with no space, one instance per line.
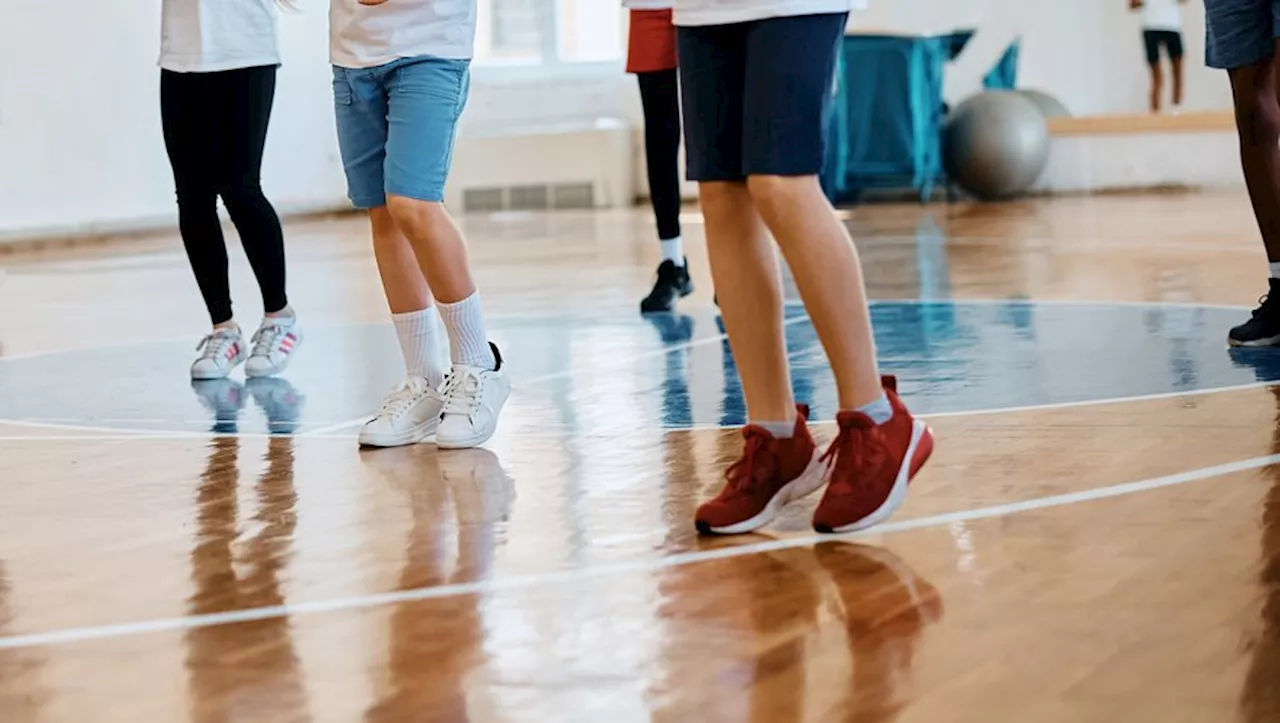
(1263,328)
(672,285)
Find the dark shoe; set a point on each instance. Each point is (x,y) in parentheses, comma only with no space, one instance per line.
(672,285)
(1263,328)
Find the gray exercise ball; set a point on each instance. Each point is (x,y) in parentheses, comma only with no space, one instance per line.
(1050,106)
(996,145)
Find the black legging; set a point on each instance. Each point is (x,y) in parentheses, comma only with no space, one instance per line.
(215,129)
(660,95)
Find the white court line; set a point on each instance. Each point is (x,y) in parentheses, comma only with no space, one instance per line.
(521,582)
(532,381)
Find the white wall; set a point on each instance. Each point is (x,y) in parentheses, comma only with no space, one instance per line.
(80,142)
(1088,53)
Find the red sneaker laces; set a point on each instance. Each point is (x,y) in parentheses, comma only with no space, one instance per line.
(854,448)
(744,474)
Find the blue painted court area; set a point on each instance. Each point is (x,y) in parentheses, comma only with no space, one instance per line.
(598,375)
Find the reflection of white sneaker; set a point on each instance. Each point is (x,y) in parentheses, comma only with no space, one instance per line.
(220,352)
(482,490)
(473,397)
(223,397)
(273,347)
(409,414)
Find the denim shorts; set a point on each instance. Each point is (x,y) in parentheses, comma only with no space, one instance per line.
(757,95)
(1240,32)
(396,125)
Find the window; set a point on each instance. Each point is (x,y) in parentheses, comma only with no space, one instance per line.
(548,32)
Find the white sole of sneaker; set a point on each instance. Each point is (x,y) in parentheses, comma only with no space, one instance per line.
(1269,341)
(210,376)
(809,481)
(414,435)
(901,484)
(272,372)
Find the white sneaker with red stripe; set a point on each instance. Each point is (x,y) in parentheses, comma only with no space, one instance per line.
(273,346)
(220,352)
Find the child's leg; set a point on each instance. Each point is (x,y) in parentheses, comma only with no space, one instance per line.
(1241,40)
(194,139)
(1151,44)
(659,95)
(425,100)
(745,271)
(786,107)
(779,462)
(411,412)
(744,264)
(409,299)
(879,447)
(425,97)
(1176,52)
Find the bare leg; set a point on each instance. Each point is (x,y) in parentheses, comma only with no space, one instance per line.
(744,268)
(437,243)
(1177,81)
(1258,124)
(1157,86)
(402,281)
(829,275)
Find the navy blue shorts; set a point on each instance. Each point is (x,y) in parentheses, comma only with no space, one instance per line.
(1240,32)
(757,95)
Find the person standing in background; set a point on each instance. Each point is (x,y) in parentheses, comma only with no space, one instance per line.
(1162,28)
(651,56)
(218,61)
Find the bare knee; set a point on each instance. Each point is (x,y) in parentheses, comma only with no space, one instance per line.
(1258,123)
(722,198)
(772,192)
(410,213)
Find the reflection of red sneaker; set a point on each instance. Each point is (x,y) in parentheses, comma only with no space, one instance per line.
(771,473)
(871,466)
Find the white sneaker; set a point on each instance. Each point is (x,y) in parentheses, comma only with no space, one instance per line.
(273,347)
(409,414)
(220,352)
(473,397)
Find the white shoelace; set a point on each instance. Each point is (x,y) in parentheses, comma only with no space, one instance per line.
(401,398)
(214,346)
(267,339)
(462,391)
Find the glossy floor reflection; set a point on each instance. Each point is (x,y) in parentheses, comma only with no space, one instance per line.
(950,356)
(1095,539)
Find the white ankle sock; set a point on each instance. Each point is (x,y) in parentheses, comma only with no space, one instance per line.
(1275,269)
(468,343)
(419,342)
(673,250)
(779,430)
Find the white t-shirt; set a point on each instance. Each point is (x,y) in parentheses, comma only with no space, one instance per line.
(364,36)
(204,36)
(725,12)
(1161,15)
(648,4)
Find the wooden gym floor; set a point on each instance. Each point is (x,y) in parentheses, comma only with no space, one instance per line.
(1096,539)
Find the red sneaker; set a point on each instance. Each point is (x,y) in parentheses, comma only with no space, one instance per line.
(771,473)
(871,465)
